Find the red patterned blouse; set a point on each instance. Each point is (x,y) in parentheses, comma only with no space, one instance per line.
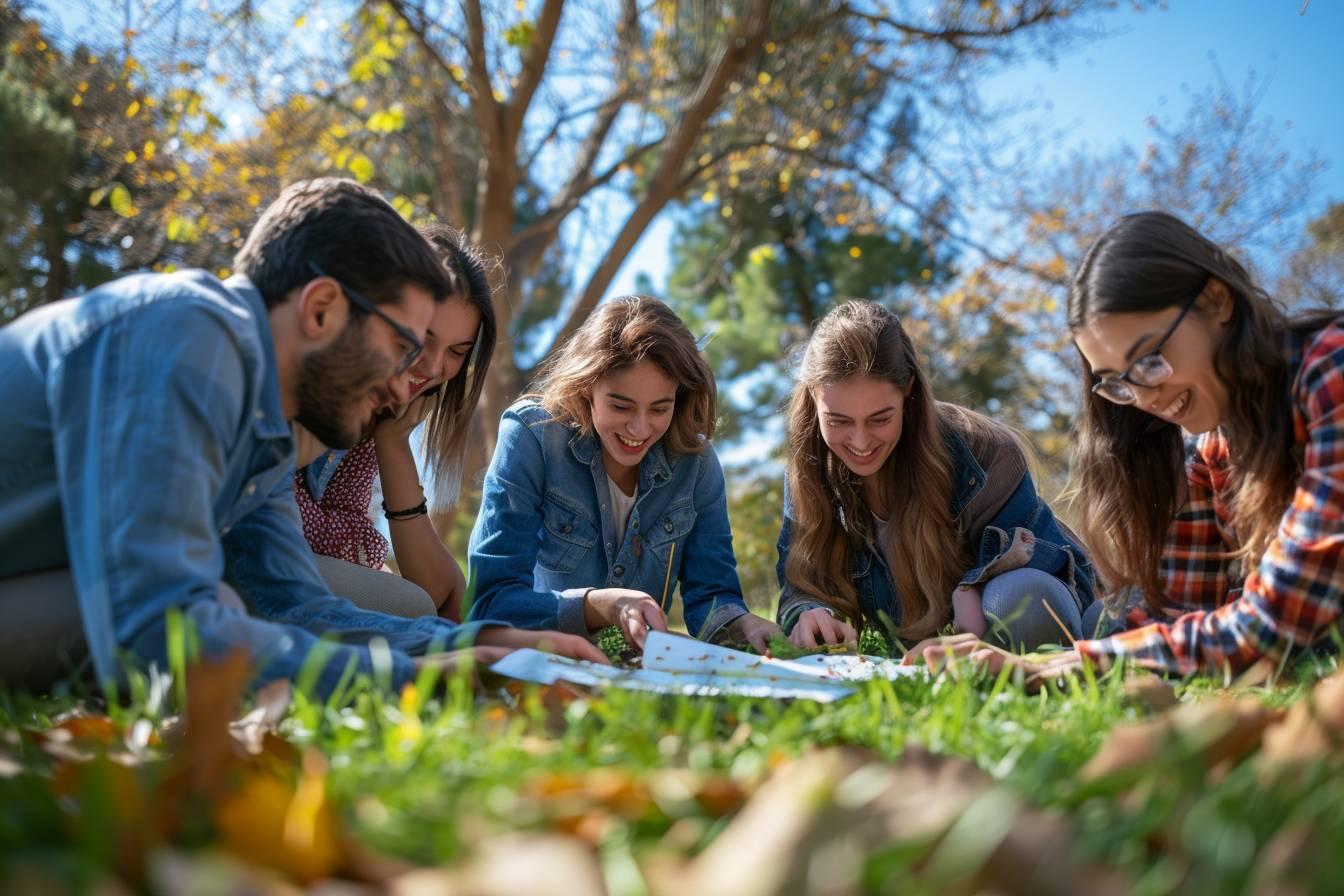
(337,524)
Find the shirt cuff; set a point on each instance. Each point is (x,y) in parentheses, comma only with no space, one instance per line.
(569,614)
(720,619)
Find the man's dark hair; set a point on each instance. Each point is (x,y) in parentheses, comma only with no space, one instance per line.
(350,233)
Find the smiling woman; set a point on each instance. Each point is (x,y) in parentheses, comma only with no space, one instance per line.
(1208,474)
(903,513)
(604,488)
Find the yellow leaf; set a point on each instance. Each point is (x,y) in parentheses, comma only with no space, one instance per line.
(708,196)
(763,78)
(289,828)
(726,211)
(404,206)
(360,103)
(926,274)
(855,252)
(150,148)
(83,86)
(362,168)
(119,198)
(77,100)
(254,199)
(130,157)
(133,109)
(300,21)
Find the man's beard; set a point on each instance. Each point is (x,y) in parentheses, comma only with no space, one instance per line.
(336,379)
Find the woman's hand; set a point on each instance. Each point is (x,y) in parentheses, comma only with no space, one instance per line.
(633,612)
(400,423)
(753,630)
(817,627)
(558,643)
(968,611)
(455,662)
(940,653)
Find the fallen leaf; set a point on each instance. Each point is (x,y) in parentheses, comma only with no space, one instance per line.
(1312,730)
(1150,691)
(1222,730)
(510,866)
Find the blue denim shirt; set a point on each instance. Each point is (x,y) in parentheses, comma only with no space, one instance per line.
(997,548)
(319,473)
(546,532)
(146,450)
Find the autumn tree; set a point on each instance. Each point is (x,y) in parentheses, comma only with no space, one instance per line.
(1315,270)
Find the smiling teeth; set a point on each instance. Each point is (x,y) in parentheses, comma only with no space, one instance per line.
(867,453)
(630,443)
(1177,407)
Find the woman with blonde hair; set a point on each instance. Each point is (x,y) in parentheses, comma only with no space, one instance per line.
(904,513)
(605,495)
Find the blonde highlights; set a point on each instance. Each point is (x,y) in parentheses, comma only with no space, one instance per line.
(830,517)
(619,334)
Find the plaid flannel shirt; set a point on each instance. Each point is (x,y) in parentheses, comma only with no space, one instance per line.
(1218,620)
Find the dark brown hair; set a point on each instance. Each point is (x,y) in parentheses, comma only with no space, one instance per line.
(619,334)
(1148,262)
(449,423)
(348,231)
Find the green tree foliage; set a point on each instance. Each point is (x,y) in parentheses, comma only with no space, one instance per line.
(1315,271)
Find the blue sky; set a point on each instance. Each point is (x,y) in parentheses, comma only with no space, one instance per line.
(1101,92)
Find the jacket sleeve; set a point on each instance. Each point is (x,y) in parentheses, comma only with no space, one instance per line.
(139,500)
(507,537)
(711,592)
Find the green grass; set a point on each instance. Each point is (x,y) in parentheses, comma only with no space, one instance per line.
(431,783)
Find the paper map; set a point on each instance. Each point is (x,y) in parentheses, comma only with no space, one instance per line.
(678,665)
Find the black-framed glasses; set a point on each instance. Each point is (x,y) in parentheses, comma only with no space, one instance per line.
(368,306)
(1152,369)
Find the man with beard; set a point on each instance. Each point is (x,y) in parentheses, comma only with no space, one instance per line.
(147,464)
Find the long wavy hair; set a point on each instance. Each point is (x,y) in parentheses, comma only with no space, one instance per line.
(619,334)
(831,518)
(1149,262)
(448,425)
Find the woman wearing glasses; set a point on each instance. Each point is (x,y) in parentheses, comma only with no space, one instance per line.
(904,513)
(1230,547)
(440,382)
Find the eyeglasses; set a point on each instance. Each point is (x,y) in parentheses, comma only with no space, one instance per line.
(1153,369)
(368,306)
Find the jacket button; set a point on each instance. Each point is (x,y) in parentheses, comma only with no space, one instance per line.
(618,570)
(667,525)
(566,528)
(971,481)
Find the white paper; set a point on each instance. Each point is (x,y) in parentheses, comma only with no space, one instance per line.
(678,665)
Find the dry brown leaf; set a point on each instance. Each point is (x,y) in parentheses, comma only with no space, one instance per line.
(278,823)
(1222,730)
(1152,692)
(1312,730)
(511,866)
(272,703)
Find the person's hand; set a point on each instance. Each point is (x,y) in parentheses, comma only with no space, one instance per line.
(940,653)
(455,662)
(968,611)
(633,612)
(401,421)
(753,630)
(572,646)
(817,627)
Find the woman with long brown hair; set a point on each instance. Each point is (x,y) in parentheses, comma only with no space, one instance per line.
(605,497)
(905,513)
(1209,456)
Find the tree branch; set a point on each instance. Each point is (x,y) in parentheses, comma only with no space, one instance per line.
(534,65)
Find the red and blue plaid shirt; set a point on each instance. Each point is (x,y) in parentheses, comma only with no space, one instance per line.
(1218,620)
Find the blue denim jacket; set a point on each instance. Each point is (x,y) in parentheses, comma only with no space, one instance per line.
(998,547)
(146,450)
(546,534)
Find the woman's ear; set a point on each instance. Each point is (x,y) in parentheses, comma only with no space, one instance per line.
(1218,301)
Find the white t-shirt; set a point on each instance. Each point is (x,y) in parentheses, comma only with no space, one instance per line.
(621,505)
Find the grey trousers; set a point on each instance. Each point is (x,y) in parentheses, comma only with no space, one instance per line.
(42,639)
(374,589)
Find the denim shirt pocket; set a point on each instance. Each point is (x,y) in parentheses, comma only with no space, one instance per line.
(570,534)
(674,524)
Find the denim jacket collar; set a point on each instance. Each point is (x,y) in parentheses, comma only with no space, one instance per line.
(654,469)
(269,422)
(968,476)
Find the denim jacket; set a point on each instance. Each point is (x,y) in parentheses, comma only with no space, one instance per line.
(546,533)
(148,452)
(1021,532)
